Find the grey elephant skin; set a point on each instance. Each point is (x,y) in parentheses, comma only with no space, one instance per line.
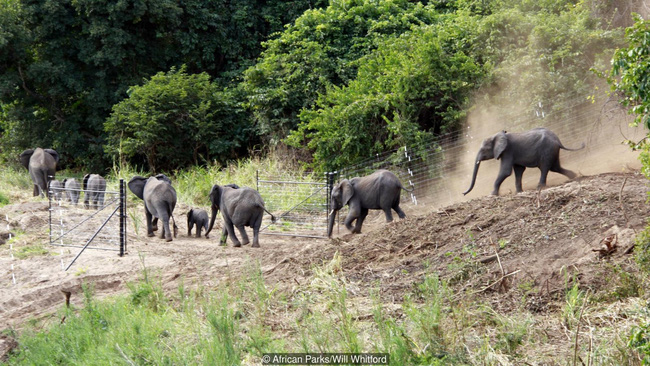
(377,191)
(536,148)
(56,187)
(239,207)
(41,164)
(94,187)
(72,190)
(159,202)
(199,218)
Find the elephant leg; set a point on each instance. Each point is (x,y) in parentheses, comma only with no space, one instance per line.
(542,178)
(154,223)
(198,230)
(166,232)
(244,236)
(359,223)
(558,169)
(231,233)
(256,232)
(399,211)
(387,212)
(504,172)
(189,229)
(352,215)
(519,173)
(149,225)
(37,190)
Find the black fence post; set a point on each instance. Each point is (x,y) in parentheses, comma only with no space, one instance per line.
(122,218)
(329,179)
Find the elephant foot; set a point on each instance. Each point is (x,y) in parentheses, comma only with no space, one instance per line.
(237,245)
(155,228)
(255,245)
(168,239)
(198,235)
(150,234)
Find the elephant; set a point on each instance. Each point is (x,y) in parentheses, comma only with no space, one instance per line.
(56,187)
(538,147)
(41,164)
(377,191)
(94,186)
(159,201)
(198,217)
(239,207)
(72,190)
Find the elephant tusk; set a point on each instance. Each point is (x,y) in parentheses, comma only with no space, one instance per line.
(331,212)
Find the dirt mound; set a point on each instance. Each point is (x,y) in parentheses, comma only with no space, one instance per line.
(488,246)
(492,244)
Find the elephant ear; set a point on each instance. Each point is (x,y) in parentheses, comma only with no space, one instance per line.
(25,156)
(215,195)
(136,185)
(348,191)
(500,144)
(54,154)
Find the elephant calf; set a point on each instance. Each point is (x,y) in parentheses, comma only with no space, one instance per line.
(377,191)
(94,186)
(56,187)
(72,190)
(198,217)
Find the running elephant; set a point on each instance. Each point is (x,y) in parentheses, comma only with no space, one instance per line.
(378,191)
(538,148)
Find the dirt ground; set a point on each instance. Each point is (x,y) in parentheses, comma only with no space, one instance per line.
(508,240)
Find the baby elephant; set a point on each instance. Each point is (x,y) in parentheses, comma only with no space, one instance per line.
(198,217)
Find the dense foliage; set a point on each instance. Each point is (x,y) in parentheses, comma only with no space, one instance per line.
(64,64)
(338,80)
(173,119)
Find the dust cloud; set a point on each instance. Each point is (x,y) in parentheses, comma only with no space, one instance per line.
(599,123)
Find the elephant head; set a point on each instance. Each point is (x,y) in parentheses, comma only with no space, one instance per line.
(341,195)
(491,148)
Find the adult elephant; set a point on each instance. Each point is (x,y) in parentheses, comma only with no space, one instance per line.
(239,207)
(538,148)
(159,201)
(377,191)
(94,186)
(41,164)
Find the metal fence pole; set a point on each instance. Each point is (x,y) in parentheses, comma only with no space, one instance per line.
(329,180)
(122,218)
(49,208)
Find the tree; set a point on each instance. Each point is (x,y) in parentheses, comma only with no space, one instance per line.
(174,120)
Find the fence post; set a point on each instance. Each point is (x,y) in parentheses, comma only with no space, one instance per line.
(329,181)
(49,208)
(122,218)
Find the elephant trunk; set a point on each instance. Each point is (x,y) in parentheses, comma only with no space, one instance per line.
(478,162)
(330,223)
(215,210)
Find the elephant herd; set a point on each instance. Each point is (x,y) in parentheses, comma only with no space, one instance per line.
(242,206)
(41,164)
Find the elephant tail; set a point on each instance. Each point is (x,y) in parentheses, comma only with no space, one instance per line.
(408,190)
(170,209)
(267,211)
(566,148)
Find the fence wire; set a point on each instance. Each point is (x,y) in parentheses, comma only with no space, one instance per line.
(98,226)
(300,206)
(440,170)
